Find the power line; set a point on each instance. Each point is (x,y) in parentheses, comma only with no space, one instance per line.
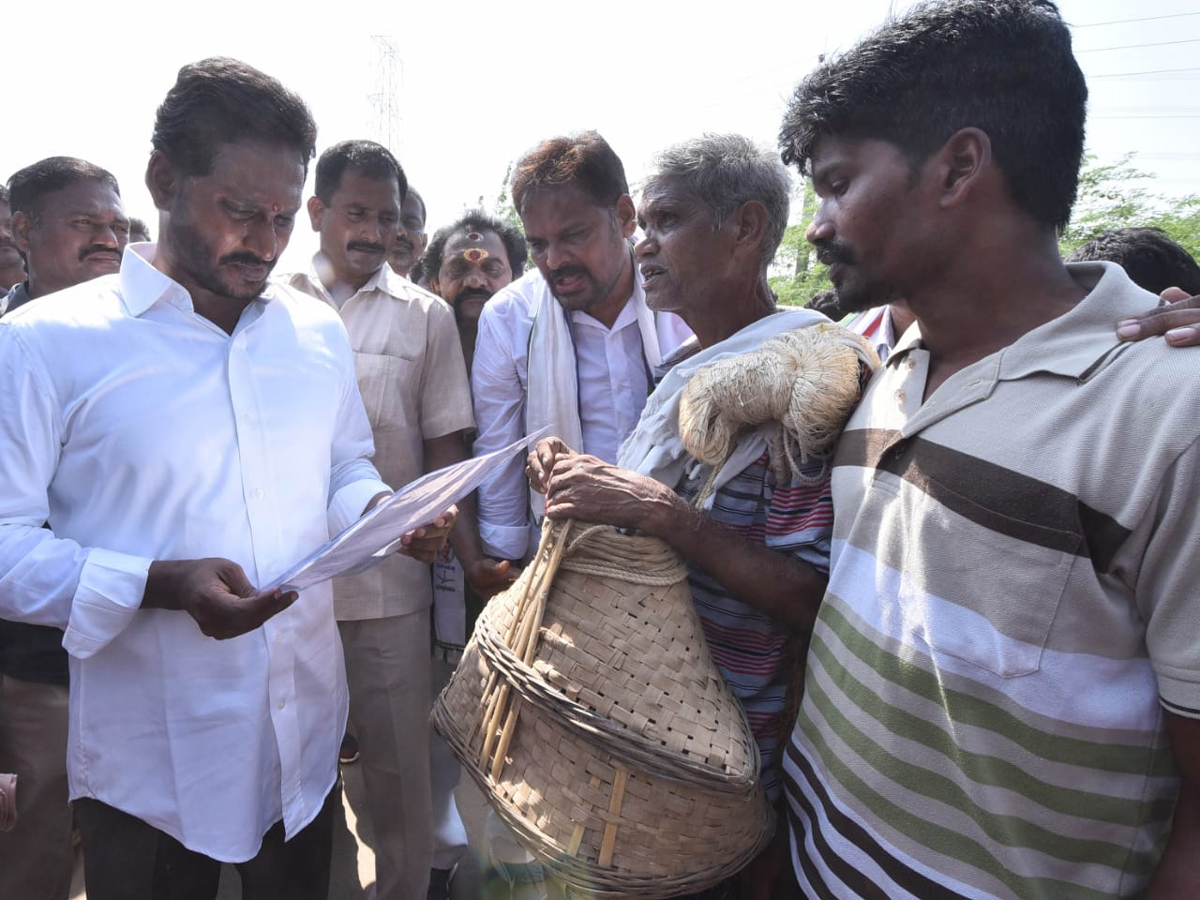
(1122,118)
(1139,46)
(1143,19)
(1147,72)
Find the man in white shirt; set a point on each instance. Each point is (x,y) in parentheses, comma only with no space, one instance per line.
(571,345)
(188,431)
(70,225)
(414,385)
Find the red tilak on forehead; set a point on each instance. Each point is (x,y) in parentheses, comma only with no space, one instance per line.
(475,254)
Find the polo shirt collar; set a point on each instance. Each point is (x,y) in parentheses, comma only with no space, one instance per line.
(1083,338)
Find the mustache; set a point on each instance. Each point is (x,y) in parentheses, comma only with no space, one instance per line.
(833,251)
(472,293)
(366,247)
(93,250)
(245,259)
(567,272)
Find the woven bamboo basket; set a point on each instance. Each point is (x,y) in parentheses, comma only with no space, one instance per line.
(589,711)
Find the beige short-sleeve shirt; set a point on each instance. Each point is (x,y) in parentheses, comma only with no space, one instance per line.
(413,381)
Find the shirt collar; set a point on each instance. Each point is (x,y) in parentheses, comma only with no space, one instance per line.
(142,285)
(384,280)
(1083,338)
(629,312)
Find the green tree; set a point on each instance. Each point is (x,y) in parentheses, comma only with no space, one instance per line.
(1119,195)
(796,274)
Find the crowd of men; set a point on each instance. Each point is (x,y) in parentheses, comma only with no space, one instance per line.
(966,642)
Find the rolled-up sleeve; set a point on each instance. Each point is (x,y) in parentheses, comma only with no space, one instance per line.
(46,580)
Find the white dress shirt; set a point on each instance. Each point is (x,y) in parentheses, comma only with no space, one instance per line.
(139,430)
(613,376)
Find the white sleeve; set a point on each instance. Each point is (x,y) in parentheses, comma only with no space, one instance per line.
(499,398)
(92,593)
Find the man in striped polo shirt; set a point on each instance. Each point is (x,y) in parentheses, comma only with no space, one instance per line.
(1003,688)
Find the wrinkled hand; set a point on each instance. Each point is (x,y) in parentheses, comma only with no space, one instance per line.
(587,488)
(541,461)
(1178,322)
(426,542)
(489,577)
(216,593)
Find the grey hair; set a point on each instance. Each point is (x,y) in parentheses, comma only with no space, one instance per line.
(726,170)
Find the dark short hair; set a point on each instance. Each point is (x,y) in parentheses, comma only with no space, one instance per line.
(1148,255)
(4,193)
(28,187)
(584,159)
(412,192)
(1003,66)
(477,220)
(137,225)
(367,158)
(827,302)
(725,171)
(219,101)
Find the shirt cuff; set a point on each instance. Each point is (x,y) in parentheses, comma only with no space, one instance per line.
(110,592)
(1179,694)
(504,541)
(348,504)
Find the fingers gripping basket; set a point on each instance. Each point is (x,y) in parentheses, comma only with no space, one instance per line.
(588,709)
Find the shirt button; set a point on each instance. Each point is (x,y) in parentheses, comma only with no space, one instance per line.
(900,397)
(279,638)
(910,363)
(282,704)
(259,493)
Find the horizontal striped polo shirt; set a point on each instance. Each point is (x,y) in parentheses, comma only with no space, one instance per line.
(1012,603)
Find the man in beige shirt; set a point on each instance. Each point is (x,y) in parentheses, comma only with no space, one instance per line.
(414,385)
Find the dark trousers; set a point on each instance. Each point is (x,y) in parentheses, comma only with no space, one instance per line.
(126,859)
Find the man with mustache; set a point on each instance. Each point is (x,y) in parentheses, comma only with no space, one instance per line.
(12,267)
(410,236)
(71,226)
(68,221)
(1003,687)
(187,431)
(414,386)
(470,260)
(571,345)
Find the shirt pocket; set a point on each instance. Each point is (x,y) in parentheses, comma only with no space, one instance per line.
(385,383)
(980,586)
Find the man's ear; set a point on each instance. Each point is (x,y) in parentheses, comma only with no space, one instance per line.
(21,226)
(749,223)
(316,212)
(626,215)
(961,163)
(162,180)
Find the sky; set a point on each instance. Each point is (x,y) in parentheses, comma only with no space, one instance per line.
(460,89)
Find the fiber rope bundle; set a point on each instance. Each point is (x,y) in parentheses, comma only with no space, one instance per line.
(590,713)
(803,382)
